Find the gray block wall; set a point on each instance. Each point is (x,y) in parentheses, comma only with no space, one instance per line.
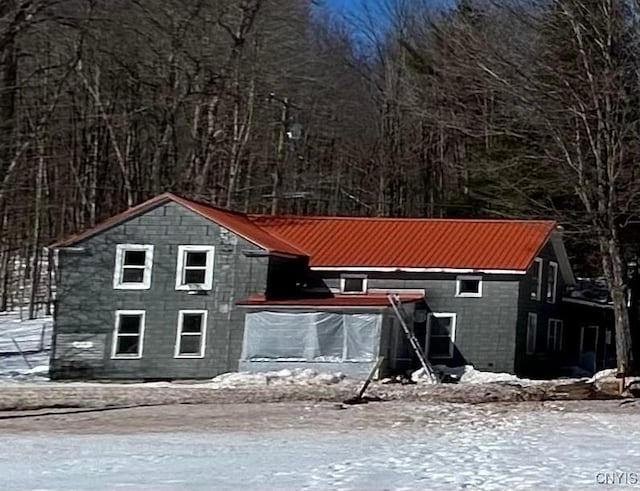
(485,327)
(86,300)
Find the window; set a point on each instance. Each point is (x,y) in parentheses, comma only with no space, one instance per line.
(554,335)
(128,334)
(468,286)
(536,279)
(552,282)
(192,331)
(133,267)
(353,284)
(532,333)
(441,334)
(195,268)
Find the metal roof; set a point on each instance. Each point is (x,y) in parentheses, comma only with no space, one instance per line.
(412,243)
(370,243)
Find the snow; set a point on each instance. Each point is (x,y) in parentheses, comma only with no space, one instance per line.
(33,338)
(468,374)
(299,376)
(485,450)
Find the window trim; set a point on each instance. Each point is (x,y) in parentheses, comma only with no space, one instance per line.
(540,263)
(532,351)
(181,264)
(558,335)
(362,277)
(116,335)
(477,294)
(552,266)
(118,270)
(203,333)
(452,336)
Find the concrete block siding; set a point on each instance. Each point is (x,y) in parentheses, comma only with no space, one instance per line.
(86,300)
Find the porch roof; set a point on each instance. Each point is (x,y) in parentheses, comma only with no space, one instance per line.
(375,300)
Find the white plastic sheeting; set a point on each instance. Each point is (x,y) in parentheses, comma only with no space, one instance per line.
(311,336)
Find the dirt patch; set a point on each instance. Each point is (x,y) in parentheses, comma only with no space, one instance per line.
(320,416)
(70,395)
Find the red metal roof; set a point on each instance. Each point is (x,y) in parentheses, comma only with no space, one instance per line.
(337,300)
(240,224)
(412,243)
(371,242)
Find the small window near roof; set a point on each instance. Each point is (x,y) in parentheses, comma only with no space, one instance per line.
(468,286)
(536,279)
(195,268)
(353,284)
(552,282)
(133,267)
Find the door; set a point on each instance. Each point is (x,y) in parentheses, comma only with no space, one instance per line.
(588,347)
(589,339)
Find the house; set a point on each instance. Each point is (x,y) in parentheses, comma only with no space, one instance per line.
(174,288)
(589,326)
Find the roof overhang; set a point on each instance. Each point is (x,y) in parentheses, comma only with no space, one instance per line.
(580,301)
(391,269)
(276,246)
(562,256)
(379,301)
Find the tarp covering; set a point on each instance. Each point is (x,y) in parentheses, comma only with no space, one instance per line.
(311,336)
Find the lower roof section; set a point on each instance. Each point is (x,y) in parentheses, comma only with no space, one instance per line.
(368,300)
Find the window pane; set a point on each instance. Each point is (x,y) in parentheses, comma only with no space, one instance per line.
(134,258)
(441,326)
(129,324)
(439,346)
(330,336)
(132,275)
(127,345)
(194,276)
(535,278)
(354,284)
(196,259)
(190,345)
(469,286)
(191,322)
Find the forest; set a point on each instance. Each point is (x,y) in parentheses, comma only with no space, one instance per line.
(478,108)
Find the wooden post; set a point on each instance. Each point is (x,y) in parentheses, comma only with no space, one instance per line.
(24,357)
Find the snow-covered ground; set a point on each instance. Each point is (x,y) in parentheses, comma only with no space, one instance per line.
(33,337)
(530,449)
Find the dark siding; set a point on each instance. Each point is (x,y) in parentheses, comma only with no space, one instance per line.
(579,315)
(86,301)
(485,327)
(542,363)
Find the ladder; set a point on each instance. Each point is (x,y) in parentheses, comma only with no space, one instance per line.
(395,302)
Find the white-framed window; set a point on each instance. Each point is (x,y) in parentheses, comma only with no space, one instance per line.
(554,335)
(353,283)
(441,334)
(469,286)
(192,334)
(195,267)
(133,267)
(128,334)
(532,333)
(552,282)
(536,279)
